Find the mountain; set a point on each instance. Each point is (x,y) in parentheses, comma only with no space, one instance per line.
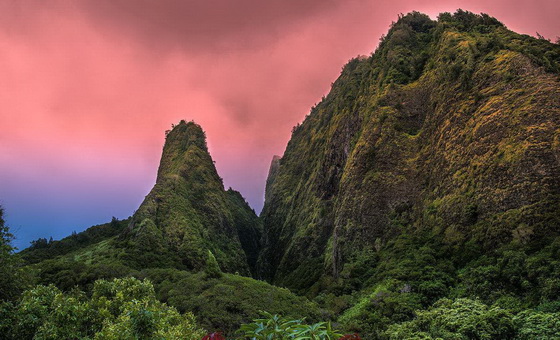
(186,215)
(419,199)
(194,240)
(188,212)
(443,144)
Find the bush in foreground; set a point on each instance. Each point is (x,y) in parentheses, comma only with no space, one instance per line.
(273,327)
(472,319)
(118,309)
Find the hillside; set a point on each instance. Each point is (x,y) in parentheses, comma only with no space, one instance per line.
(188,212)
(432,168)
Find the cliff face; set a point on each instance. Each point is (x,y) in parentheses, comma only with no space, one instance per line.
(272,172)
(188,212)
(451,128)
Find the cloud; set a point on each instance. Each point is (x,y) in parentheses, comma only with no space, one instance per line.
(89,87)
(220,26)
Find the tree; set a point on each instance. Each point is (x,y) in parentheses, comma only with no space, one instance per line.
(40,243)
(212,269)
(458,319)
(118,309)
(537,325)
(540,37)
(11,281)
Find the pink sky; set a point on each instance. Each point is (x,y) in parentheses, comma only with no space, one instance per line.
(87,89)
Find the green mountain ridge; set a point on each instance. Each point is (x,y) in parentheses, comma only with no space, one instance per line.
(450,128)
(427,179)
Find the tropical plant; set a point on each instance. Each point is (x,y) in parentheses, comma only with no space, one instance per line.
(458,319)
(273,327)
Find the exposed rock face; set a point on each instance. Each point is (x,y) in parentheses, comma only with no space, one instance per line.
(451,127)
(188,212)
(272,172)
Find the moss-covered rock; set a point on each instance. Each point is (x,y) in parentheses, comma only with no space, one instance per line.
(188,213)
(449,130)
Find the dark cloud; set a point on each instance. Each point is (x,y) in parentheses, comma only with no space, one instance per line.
(216,25)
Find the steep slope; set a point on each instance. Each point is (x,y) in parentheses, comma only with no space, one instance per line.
(41,249)
(448,136)
(185,216)
(188,212)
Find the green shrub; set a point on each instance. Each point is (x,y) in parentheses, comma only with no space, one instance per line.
(537,325)
(459,319)
(275,327)
(118,309)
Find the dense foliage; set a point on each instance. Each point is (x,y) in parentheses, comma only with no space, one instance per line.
(41,249)
(219,300)
(468,319)
(442,130)
(224,303)
(188,213)
(117,309)
(415,178)
(127,307)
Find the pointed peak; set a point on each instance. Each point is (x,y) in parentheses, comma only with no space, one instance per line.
(185,134)
(185,148)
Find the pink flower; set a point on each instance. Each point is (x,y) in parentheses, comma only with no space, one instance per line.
(214,336)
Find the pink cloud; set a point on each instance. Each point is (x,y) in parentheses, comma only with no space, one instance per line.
(89,87)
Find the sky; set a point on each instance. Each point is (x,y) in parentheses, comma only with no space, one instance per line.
(88,88)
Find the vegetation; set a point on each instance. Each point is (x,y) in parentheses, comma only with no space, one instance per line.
(418,200)
(468,319)
(275,327)
(188,213)
(224,303)
(414,179)
(117,309)
(12,277)
(42,249)
(220,301)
